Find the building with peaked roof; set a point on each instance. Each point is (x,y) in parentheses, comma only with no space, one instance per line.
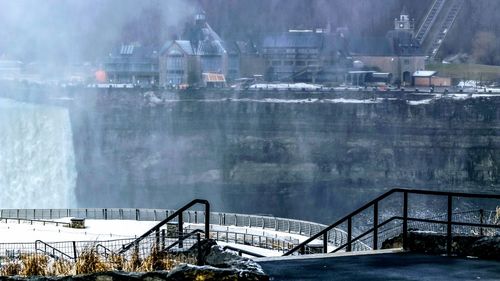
(397,53)
(204,52)
(178,64)
(303,55)
(132,64)
(184,61)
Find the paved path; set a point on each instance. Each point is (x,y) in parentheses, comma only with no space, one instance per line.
(383,267)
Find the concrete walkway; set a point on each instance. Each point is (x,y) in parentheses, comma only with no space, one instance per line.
(383,267)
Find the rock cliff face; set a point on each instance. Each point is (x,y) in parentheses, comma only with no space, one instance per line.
(309,160)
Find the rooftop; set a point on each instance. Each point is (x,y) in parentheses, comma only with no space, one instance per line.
(424,73)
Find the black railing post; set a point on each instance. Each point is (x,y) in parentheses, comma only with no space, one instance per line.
(405,220)
(198,257)
(302,249)
(180,230)
(375,226)
(163,239)
(207,220)
(448,226)
(325,242)
(481,221)
(74,250)
(157,239)
(349,234)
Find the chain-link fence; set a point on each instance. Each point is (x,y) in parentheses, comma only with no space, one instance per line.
(336,236)
(154,252)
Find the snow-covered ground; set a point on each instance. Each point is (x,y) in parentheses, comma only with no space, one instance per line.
(286,86)
(14,231)
(95,230)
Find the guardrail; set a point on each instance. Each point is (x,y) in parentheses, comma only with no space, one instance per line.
(180,220)
(53,251)
(31,221)
(336,236)
(255,240)
(405,218)
(486,217)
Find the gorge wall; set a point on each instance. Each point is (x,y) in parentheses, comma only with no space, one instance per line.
(313,160)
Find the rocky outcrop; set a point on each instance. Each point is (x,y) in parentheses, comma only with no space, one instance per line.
(486,247)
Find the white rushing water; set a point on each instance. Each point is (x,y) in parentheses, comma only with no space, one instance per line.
(37,160)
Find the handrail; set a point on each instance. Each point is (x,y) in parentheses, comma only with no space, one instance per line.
(283,241)
(54,250)
(178,214)
(414,219)
(374,203)
(106,249)
(241,251)
(306,228)
(57,223)
(186,236)
(479,211)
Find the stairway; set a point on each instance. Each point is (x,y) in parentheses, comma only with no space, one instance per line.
(439,20)
(447,23)
(429,20)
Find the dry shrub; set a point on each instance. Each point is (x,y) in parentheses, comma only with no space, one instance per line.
(11,268)
(134,263)
(61,267)
(155,260)
(116,261)
(89,261)
(173,260)
(497,215)
(34,265)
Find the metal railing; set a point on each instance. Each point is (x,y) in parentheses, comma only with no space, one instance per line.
(180,220)
(479,216)
(405,218)
(292,226)
(53,251)
(31,221)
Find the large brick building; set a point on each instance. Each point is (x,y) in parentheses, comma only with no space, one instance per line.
(304,55)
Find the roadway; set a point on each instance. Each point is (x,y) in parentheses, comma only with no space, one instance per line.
(383,267)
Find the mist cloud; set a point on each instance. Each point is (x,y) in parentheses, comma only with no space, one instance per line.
(60,30)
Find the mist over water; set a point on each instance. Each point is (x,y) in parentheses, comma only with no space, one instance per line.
(37,161)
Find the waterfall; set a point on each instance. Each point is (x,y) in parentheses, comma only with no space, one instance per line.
(37,161)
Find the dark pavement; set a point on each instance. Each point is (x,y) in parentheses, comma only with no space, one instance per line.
(386,267)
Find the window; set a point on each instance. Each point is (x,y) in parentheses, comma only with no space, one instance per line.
(300,63)
(406,61)
(175,62)
(276,63)
(288,62)
(211,63)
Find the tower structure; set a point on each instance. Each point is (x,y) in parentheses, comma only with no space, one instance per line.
(404,23)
